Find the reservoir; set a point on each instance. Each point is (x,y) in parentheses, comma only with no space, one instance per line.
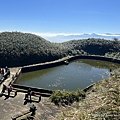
(77,74)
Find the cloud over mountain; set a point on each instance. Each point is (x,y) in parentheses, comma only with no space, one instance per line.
(62,37)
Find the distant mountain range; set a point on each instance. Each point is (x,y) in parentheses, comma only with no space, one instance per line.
(66,37)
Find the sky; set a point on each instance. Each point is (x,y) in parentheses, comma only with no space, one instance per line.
(60,16)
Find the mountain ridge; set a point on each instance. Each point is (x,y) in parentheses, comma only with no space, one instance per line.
(66,37)
(20,49)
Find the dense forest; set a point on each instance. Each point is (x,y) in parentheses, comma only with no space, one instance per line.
(19,49)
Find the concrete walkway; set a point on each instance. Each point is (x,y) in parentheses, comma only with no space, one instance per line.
(13,71)
(13,106)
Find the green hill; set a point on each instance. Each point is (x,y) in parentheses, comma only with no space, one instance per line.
(94,46)
(19,49)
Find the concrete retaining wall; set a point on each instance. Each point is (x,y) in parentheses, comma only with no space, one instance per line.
(41,91)
(42,66)
(57,63)
(62,61)
(17,75)
(94,58)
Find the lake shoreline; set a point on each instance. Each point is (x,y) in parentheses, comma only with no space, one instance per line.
(62,61)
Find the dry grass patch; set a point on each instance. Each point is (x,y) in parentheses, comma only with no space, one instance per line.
(102,101)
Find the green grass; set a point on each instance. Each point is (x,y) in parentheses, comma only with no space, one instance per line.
(67,98)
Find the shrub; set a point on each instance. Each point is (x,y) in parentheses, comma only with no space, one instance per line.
(66,98)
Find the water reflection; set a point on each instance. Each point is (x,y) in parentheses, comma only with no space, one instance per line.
(78,74)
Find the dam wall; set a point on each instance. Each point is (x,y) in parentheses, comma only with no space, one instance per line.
(95,58)
(45,65)
(65,60)
(62,61)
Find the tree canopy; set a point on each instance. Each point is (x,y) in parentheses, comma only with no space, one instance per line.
(19,49)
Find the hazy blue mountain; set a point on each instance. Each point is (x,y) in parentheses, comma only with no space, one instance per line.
(63,38)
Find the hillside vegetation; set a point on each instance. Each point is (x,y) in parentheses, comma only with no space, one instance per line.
(93,46)
(102,102)
(19,49)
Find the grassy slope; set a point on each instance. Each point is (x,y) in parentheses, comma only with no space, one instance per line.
(102,102)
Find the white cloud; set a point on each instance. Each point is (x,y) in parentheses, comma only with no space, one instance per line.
(62,37)
(56,34)
(68,34)
(110,35)
(48,34)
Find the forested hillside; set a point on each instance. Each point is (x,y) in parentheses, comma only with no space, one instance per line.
(18,49)
(94,46)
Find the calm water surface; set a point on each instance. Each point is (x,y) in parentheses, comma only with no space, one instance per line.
(77,74)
